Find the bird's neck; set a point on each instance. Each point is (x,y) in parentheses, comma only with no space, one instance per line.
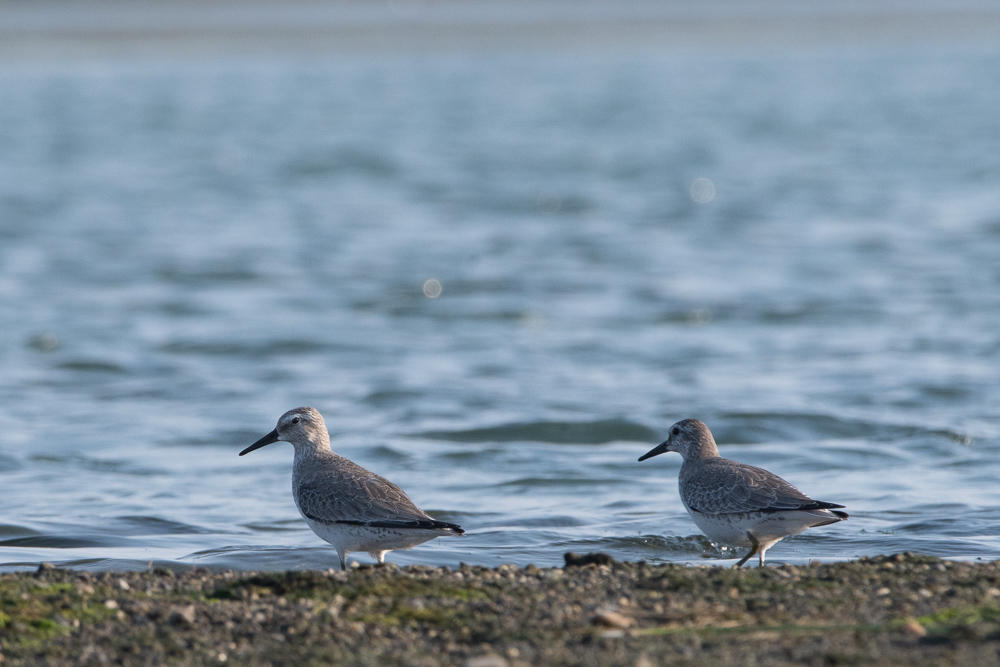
(704,449)
(312,449)
(309,459)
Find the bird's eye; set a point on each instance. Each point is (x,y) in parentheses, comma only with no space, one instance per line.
(295,420)
(676,431)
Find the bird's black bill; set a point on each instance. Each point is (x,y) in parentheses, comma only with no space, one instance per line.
(266,440)
(655,451)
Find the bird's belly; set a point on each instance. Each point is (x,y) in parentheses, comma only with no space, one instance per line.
(729,529)
(767,527)
(351,537)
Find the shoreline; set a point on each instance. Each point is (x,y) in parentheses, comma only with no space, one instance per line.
(902,609)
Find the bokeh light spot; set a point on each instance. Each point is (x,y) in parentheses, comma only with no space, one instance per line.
(702,190)
(432,288)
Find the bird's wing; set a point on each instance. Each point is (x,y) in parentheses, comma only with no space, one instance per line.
(357,496)
(721,486)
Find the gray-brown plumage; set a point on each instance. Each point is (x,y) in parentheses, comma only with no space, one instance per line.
(735,503)
(350,507)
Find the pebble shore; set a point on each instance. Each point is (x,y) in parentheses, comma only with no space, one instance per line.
(895,610)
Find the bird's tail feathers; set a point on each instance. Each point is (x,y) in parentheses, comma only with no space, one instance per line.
(420,524)
(828,516)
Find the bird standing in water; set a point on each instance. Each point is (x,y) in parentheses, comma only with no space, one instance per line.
(735,503)
(350,507)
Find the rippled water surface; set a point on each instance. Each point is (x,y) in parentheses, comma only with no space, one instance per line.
(187,250)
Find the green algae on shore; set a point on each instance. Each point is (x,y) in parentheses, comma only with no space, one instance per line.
(902,609)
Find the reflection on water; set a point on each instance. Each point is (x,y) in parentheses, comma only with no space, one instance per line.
(500,277)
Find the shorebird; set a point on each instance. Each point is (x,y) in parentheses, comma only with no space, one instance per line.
(350,507)
(735,503)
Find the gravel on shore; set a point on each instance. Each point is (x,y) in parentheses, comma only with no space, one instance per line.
(895,610)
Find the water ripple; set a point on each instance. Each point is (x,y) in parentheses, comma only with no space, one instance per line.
(597,432)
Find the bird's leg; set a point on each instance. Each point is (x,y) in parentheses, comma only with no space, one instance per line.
(754,546)
(343,559)
(378,555)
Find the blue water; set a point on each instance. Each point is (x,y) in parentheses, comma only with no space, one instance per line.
(188,249)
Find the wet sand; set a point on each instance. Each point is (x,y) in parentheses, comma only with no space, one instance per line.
(895,610)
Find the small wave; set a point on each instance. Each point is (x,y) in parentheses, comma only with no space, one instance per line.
(345,160)
(276,527)
(98,465)
(110,533)
(754,427)
(561,433)
(388,453)
(92,366)
(536,482)
(466,455)
(254,350)
(7,530)
(62,542)
(383,397)
(151,525)
(544,522)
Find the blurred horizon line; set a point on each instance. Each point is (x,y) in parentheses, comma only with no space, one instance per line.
(60,29)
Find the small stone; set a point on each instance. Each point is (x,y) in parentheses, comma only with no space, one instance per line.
(882,591)
(611,619)
(579,560)
(993,592)
(111,604)
(182,616)
(122,584)
(913,628)
(45,567)
(487,661)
